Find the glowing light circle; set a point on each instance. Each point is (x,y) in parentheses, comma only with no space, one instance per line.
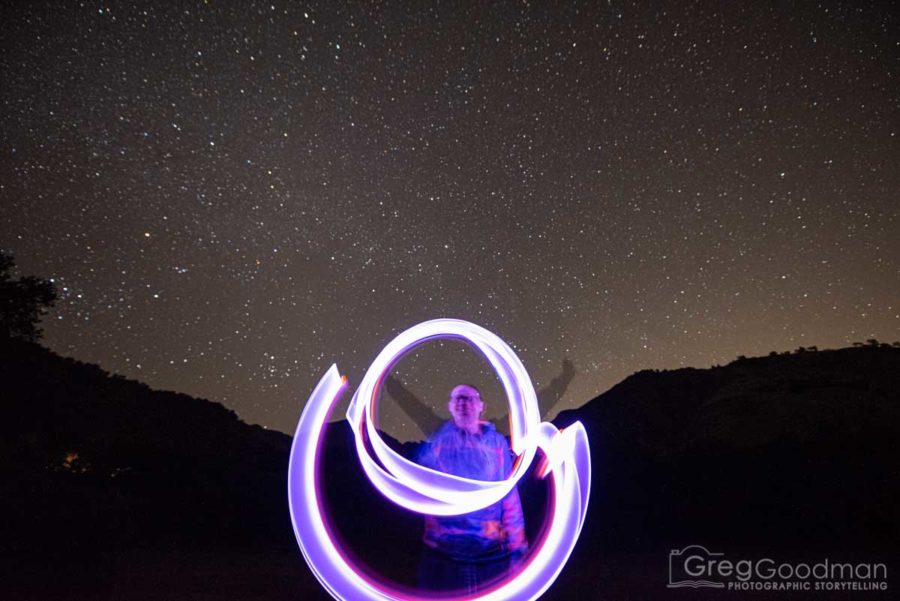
(427,491)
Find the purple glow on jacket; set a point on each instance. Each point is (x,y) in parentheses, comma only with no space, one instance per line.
(431,492)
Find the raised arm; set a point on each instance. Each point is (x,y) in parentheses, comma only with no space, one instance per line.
(547,397)
(422,415)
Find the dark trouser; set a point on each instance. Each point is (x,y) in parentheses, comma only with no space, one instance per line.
(438,572)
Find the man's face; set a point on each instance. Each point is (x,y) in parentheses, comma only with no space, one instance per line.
(465,407)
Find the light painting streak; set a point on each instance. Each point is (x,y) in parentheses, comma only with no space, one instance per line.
(427,491)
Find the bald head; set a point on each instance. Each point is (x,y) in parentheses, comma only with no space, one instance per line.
(466,407)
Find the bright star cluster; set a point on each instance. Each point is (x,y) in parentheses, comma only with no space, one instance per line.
(232,196)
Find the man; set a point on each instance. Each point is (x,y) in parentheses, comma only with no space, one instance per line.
(462,553)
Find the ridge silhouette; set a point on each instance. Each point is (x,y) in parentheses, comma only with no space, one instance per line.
(788,454)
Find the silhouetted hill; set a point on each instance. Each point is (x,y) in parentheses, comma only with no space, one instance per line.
(107,482)
(787,453)
(803,397)
(103,461)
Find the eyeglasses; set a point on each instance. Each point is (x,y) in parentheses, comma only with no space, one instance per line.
(462,398)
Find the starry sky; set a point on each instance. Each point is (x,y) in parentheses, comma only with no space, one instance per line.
(230,196)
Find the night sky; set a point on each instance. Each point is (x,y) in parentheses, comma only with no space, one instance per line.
(230,196)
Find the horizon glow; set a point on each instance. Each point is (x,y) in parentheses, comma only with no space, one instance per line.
(430,492)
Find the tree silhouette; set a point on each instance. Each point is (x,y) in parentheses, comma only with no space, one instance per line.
(22,302)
